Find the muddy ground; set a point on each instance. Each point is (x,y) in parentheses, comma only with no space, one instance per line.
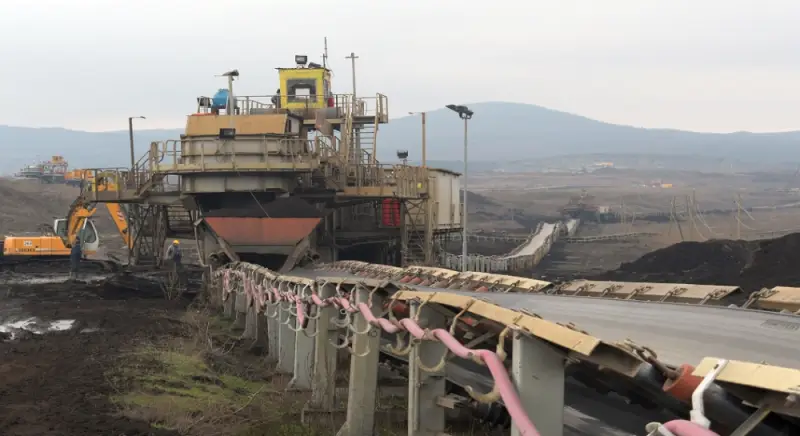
(56,383)
(101,359)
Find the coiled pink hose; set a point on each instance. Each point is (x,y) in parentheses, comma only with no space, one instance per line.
(504,384)
(688,428)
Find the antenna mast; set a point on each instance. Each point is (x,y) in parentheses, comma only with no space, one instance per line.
(353,58)
(325,54)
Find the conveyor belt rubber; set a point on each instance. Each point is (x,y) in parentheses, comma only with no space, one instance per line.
(679,332)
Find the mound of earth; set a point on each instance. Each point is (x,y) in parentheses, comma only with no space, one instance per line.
(27,204)
(476,199)
(752,265)
(24,204)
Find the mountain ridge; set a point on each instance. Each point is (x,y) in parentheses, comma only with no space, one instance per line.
(498,132)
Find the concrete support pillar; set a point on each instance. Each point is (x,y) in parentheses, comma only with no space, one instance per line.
(273,332)
(323,377)
(240,309)
(425,416)
(363,372)
(229,306)
(207,244)
(538,373)
(286,337)
(250,323)
(273,337)
(304,357)
(261,332)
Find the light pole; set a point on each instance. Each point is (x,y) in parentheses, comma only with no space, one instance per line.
(465,114)
(424,148)
(130,134)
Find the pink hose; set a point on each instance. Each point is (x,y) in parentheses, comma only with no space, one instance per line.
(687,428)
(504,384)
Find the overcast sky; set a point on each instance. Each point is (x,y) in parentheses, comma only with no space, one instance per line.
(704,65)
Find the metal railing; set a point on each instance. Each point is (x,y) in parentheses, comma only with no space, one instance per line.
(112,183)
(171,158)
(375,106)
(402,180)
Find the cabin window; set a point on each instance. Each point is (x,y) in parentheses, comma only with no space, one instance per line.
(89,234)
(301,90)
(61,228)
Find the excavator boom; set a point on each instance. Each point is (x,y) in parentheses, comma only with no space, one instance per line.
(56,243)
(118,216)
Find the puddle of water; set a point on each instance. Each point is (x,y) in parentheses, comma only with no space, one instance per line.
(61,325)
(53,279)
(35,326)
(17,324)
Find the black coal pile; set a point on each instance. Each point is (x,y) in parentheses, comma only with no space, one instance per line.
(752,265)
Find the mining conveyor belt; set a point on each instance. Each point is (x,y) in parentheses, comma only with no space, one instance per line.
(610,343)
(681,333)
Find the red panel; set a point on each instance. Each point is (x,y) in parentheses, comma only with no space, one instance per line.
(262,231)
(390,212)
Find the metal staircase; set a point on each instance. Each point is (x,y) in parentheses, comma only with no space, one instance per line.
(418,239)
(367,137)
(360,143)
(180,223)
(331,173)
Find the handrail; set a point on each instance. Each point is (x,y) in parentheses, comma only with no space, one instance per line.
(513,260)
(376,106)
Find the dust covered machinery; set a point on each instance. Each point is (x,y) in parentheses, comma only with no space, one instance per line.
(282,179)
(50,246)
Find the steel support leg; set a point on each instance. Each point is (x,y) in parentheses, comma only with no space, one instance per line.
(425,416)
(286,340)
(538,372)
(323,378)
(753,421)
(304,357)
(363,389)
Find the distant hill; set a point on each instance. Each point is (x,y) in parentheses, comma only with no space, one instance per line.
(499,132)
(511,131)
(24,145)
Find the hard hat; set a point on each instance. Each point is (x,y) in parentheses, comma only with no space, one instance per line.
(176,242)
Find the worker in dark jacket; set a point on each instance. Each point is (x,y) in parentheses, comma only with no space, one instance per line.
(174,254)
(75,256)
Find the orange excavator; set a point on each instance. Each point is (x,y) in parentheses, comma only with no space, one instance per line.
(54,243)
